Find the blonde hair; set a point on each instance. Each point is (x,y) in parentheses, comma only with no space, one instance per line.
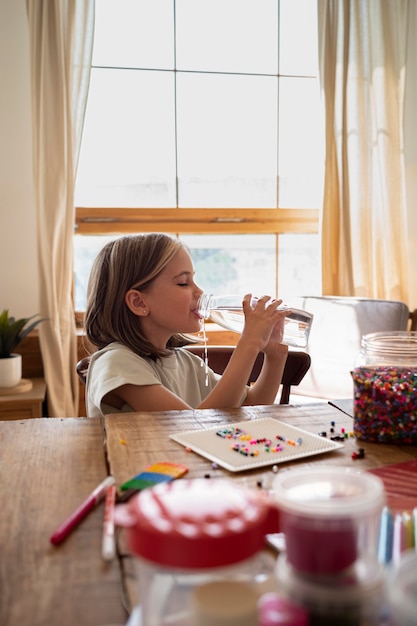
(129,262)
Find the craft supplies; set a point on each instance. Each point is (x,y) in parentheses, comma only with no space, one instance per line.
(188,533)
(254,443)
(108,549)
(81,512)
(400,482)
(153,475)
(224,603)
(356,596)
(385,388)
(330,517)
(275,610)
(385,535)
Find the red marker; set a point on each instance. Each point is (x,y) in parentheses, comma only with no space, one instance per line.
(80,513)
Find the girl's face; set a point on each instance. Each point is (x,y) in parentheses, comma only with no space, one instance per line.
(170,301)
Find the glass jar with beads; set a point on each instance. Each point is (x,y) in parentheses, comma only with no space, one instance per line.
(385,388)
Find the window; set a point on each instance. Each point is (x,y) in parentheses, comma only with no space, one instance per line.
(204,120)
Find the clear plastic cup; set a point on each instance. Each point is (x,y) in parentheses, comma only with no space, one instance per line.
(227,311)
(329,516)
(403,590)
(355,597)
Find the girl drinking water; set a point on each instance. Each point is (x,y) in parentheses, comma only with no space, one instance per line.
(142,302)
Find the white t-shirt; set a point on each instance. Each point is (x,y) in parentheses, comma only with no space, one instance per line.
(183,373)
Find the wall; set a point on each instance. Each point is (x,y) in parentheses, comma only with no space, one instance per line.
(18,257)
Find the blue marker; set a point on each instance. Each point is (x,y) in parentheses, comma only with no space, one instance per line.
(385,537)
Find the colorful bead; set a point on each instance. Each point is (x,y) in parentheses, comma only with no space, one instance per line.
(385,404)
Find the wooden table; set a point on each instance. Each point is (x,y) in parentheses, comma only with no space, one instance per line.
(136,439)
(48,467)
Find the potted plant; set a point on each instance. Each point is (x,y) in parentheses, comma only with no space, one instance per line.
(12,332)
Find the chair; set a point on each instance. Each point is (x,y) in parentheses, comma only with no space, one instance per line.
(335,339)
(413,320)
(296,366)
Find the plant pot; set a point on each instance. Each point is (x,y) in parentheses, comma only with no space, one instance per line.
(11,370)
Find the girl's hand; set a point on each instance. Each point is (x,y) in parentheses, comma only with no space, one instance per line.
(264,323)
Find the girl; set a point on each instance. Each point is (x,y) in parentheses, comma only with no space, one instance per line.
(141,302)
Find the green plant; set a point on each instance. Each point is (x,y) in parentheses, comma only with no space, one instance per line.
(13,331)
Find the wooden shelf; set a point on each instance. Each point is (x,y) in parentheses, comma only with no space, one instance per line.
(24,405)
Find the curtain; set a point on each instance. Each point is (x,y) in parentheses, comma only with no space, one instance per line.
(410,149)
(61,39)
(363,49)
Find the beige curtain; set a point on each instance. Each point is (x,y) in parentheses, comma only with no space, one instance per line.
(61,37)
(362,46)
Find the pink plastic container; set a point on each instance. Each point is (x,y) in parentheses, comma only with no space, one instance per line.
(329,516)
(275,610)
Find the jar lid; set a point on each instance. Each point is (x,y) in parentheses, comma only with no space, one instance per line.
(327,493)
(391,343)
(197,523)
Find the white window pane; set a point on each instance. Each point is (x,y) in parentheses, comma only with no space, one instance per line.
(227,35)
(235,147)
(128,148)
(298,49)
(301,160)
(227,140)
(230,264)
(299,266)
(134,33)
(223,263)
(234,264)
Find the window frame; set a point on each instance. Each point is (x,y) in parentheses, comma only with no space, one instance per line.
(99,221)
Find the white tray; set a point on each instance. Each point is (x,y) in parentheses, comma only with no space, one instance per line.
(209,444)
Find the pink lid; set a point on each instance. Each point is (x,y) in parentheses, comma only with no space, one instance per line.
(197,523)
(274,610)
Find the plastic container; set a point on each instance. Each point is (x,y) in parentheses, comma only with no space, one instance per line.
(385,388)
(275,610)
(224,603)
(403,590)
(329,516)
(356,597)
(189,533)
(227,311)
